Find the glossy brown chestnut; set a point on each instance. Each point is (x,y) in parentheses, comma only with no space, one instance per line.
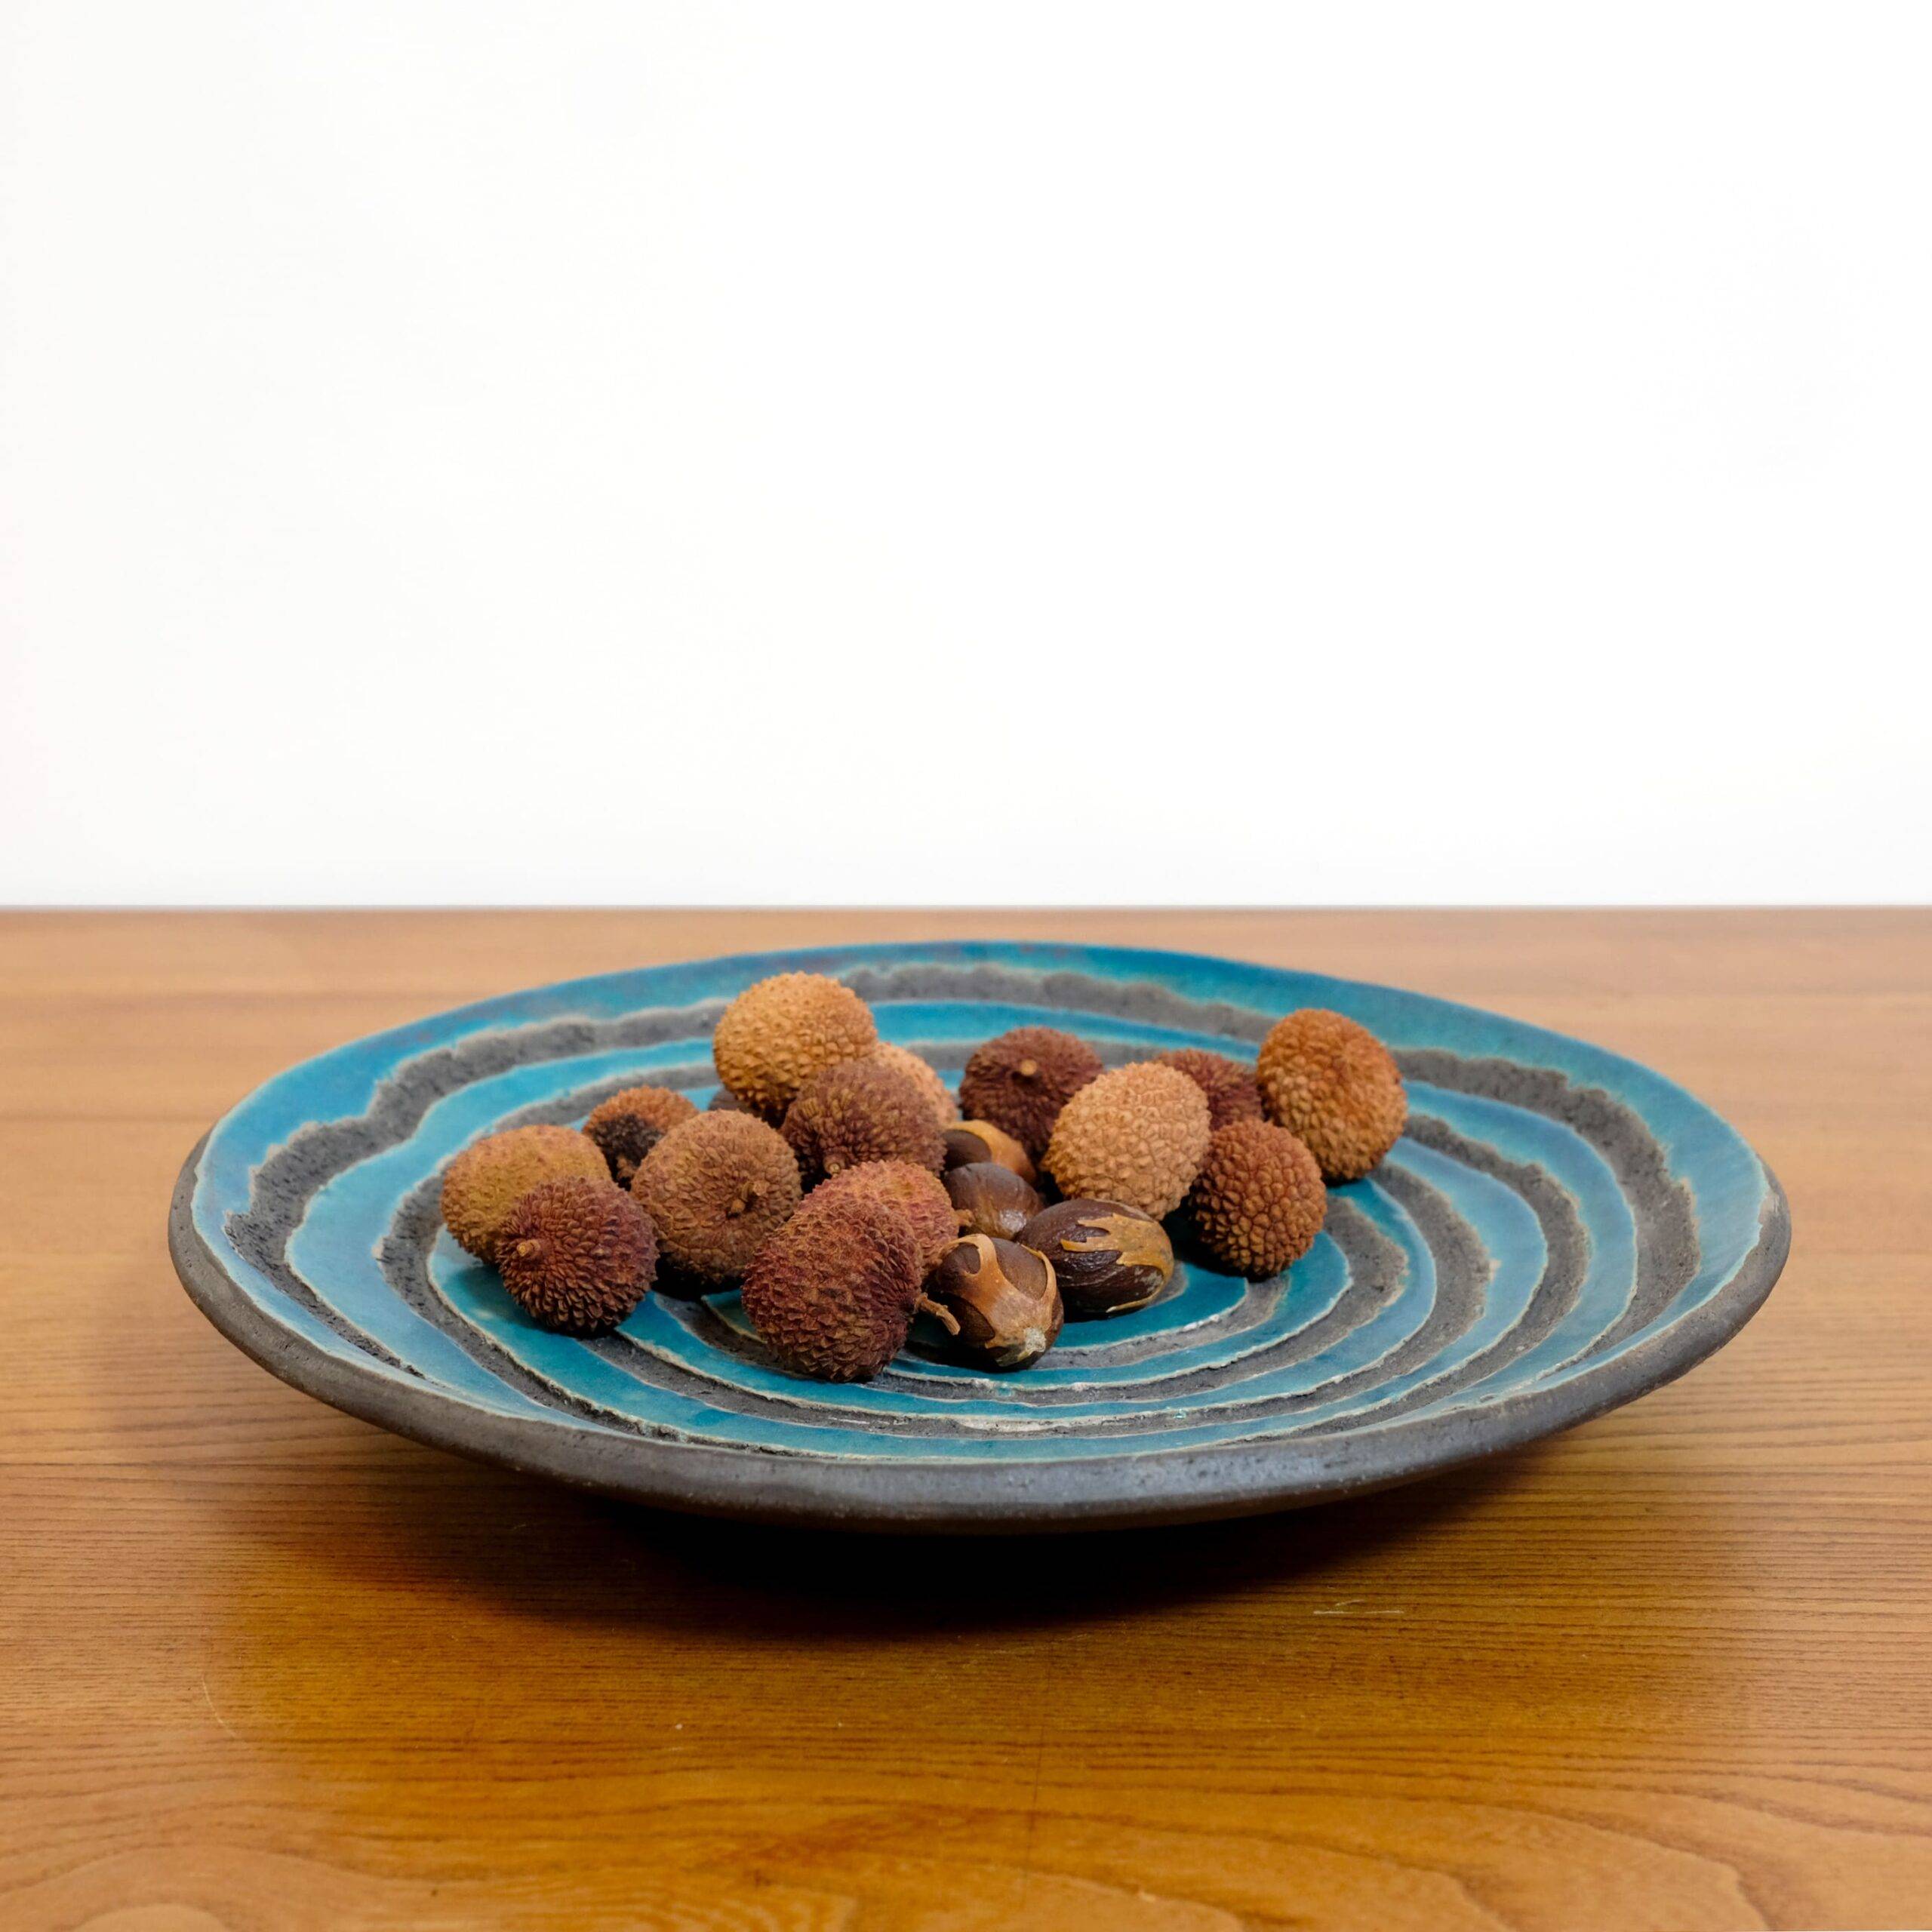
(974,1140)
(990,1199)
(1109,1259)
(1004,1298)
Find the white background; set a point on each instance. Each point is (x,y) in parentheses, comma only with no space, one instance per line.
(1046,452)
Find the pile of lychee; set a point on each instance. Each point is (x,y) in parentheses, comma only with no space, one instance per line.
(834,1184)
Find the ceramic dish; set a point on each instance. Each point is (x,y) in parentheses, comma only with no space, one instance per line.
(1559,1230)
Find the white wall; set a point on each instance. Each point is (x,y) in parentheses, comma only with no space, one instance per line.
(1063,450)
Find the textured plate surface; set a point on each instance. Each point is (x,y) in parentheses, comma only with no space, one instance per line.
(1559,1230)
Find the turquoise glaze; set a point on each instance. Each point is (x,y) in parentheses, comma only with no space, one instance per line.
(1560,1229)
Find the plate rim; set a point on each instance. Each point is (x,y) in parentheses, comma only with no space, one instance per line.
(910,1494)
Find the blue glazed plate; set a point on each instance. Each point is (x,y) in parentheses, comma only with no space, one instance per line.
(1559,1230)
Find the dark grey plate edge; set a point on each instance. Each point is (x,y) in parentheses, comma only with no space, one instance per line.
(1164,1486)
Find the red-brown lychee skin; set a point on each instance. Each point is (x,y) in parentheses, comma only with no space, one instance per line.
(859,1111)
(831,1294)
(1230,1087)
(917,1192)
(715,1187)
(1020,1080)
(577,1256)
(776,1033)
(1258,1202)
(487,1179)
(628,1125)
(922,1073)
(1336,1087)
(1138,1134)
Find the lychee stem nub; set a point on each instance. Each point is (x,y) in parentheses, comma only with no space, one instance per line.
(745,1202)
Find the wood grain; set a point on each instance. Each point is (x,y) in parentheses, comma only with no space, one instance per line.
(264,1666)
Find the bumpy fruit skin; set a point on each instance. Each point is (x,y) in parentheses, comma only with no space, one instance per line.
(858,1110)
(1137,1134)
(974,1140)
(1259,1202)
(923,1075)
(1231,1092)
(628,1125)
(715,1187)
(915,1192)
(774,1036)
(489,1177)
(831,1294)
(577,1255)
(1334,1085)
(1020,1081)
(990,1199)
(1110,1259)
(1004,1298)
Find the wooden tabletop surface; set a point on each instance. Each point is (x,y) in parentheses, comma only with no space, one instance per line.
(261,1666)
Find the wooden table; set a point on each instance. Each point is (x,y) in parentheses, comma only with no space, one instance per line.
(262,1665)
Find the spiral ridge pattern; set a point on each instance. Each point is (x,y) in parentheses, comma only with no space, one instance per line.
(1557,1228)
